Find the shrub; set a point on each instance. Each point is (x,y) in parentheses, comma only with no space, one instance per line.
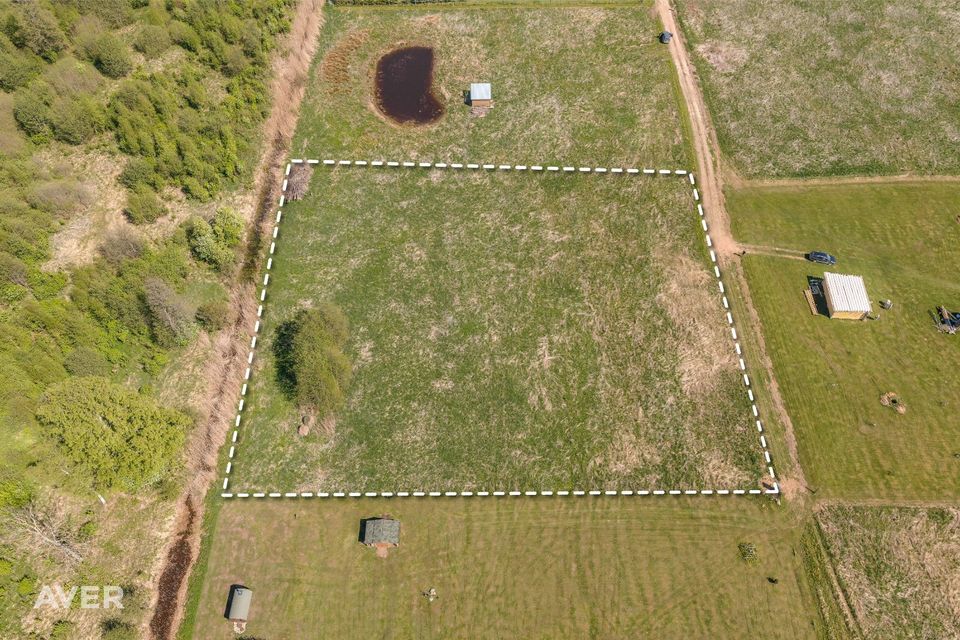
(227,227)
(213,315)
(111,57)
(120,245)
(34,28)
(113,437)
(143,205)
(139,171)
(184,35)
(115,13)
(311,366)
(171,317)
(76,120)
(151,40)
(86,361)
(62,630)
(14,492)
(234,60)
(207,244)
(115,629)
(16,69)
(748,552)
(31,110)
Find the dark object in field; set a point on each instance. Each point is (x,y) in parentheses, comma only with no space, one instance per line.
(948,321)
(772,580)
(886,304)
(380,533)
(404,86)
(665,37)
(890,399)
(238,603)
(821,257)
(299,180)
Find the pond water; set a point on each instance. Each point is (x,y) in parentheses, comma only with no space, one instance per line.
(404,86)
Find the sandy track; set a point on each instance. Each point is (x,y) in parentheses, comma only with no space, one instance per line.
(224,371)
(709,179)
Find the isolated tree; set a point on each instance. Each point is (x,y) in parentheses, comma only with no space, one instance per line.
(311,366)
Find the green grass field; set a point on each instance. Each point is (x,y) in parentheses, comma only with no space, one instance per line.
(903,239)
(586,85)
(526,568)
(508,330)
(826,87)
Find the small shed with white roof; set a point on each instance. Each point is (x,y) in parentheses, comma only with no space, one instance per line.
(846,296)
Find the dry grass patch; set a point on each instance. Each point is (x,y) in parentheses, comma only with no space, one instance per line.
(830,87)
(899,568)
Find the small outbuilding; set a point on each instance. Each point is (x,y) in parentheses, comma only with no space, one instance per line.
(481,94)
(846,296)
(380,532)
(665,37)
(238,609)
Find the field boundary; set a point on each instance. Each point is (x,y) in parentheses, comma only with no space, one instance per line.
(685,174)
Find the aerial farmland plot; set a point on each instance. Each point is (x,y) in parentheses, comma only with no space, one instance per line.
(527,309)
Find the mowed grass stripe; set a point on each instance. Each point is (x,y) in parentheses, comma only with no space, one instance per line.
(903,239)
(510,569)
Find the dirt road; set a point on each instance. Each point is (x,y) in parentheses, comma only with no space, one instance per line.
(710,181)
(224,371)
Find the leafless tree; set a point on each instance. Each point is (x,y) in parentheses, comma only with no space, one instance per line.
(43,524)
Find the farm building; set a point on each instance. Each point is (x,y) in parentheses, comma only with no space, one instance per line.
(380,532)
(239,607)
(846,296)
(481,94)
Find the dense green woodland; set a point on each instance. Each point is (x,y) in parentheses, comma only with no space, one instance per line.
(177,89)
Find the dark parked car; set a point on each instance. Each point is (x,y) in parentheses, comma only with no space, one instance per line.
(821,257)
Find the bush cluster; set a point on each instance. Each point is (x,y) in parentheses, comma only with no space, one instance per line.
(114,437)
(215,242)
(311,366)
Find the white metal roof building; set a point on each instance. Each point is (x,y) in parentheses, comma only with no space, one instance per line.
(846,296)
(480,91)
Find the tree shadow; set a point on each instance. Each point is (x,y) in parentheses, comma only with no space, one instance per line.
(283,356)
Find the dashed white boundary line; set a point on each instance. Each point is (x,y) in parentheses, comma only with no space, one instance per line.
(738,348)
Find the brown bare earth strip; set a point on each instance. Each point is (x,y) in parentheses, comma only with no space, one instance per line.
(905,178)
(224,371)
(709,181)
(777,252)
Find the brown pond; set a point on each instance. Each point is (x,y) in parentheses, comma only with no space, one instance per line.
(403,86)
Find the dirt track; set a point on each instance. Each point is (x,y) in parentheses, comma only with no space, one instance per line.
(710,181)
(224,371)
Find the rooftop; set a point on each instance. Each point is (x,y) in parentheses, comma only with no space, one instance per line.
(381,530)
(846,293)
(481,91)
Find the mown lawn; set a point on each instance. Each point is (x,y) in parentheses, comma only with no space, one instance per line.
(503,568)
(903,239)
(827,87)
(507,331)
